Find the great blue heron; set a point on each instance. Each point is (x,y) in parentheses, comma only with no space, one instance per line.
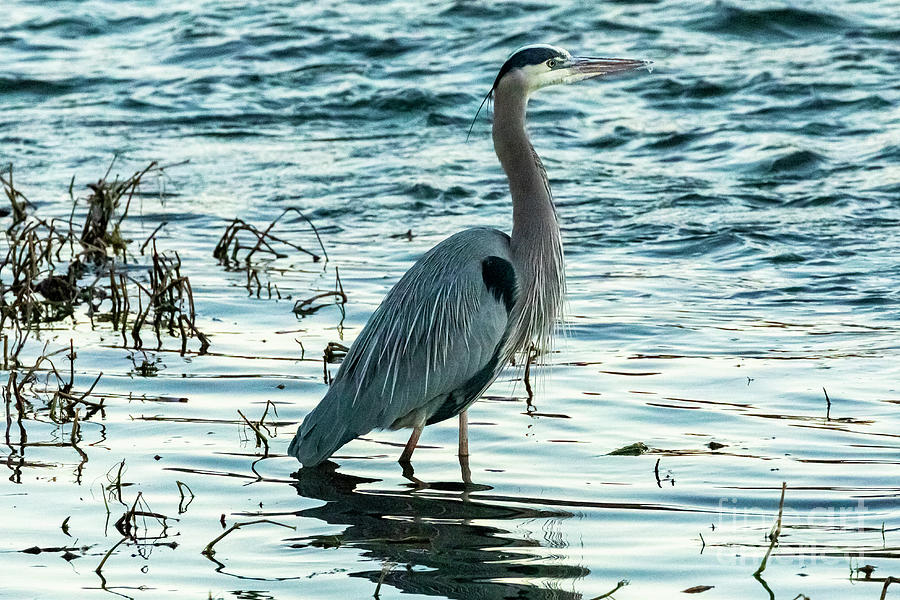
(470,304)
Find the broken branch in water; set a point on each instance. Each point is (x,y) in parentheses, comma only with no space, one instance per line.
(209,552)
(182,507)
(229,244)
(307,307)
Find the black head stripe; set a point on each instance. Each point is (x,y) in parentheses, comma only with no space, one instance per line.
(534,55)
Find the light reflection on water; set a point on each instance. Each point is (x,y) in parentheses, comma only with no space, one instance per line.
(730,224)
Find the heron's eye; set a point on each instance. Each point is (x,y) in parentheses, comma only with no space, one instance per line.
(551,63)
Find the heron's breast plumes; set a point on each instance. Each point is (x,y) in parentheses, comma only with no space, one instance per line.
(540,271)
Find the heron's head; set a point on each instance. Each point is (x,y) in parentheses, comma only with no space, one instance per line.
(534,67)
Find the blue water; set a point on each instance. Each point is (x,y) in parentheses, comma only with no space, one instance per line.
(730,222)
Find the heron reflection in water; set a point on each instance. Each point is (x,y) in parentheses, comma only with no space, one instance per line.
(443,541)
(470,304)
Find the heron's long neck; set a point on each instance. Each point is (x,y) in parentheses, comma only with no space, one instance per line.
(536,244)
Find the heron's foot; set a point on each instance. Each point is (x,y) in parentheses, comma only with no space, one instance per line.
(410,474)
(464,469)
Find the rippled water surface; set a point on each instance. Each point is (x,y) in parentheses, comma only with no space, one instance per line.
(730,222)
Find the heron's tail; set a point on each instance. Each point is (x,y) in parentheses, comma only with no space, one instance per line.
(322,432)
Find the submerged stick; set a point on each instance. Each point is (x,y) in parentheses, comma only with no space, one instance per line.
(153,235)
(888,582)
(107,555)
(619,586)
(260,438)
(774,533)
(182,484)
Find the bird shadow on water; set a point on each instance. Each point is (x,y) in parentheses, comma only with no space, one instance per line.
(439,541)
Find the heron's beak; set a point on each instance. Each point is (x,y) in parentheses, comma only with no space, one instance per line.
(581,68)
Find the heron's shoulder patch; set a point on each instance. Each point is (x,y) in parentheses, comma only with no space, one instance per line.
(500,279)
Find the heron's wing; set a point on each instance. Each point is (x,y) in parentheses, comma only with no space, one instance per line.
(439,331)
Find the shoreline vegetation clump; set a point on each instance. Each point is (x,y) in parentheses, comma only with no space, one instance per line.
(53,267)
(83,266)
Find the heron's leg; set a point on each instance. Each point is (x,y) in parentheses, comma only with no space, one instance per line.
(464,468)
(464,433)
(410,445)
